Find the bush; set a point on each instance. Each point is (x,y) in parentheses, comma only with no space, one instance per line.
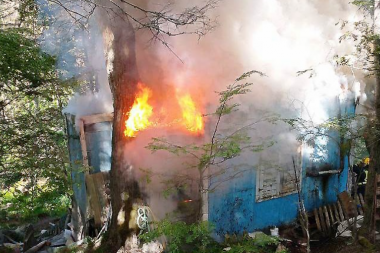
(262,243)
(183,238)
(196,238)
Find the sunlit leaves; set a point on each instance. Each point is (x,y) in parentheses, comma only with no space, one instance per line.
(33,150)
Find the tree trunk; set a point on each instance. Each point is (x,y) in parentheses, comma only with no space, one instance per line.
(373,145)
(123,81)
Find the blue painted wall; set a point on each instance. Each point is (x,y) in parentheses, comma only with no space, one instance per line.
(76,161)
(235,210)
(99,146)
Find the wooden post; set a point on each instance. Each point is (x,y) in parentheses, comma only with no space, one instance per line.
(83,143)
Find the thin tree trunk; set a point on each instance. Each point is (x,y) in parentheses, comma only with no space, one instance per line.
(123,81)
(373,146)
(203,195)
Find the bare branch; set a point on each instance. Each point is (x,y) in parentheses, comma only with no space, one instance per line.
(161,23)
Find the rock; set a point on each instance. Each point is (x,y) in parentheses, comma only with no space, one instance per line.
(43,234)
(254,234)
(152,247)
(58,240)
(132,246)
(281,248)
(68,236)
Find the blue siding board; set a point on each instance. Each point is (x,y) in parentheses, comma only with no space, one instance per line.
(235,210)
(99,141)
(76,161)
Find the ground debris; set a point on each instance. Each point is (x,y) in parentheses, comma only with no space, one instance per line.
(132,246)
(281,248)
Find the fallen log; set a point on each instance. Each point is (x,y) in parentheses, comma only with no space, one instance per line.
(36,248)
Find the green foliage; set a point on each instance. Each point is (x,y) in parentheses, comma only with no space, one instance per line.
(363,36)
(21,60)
(181,237)
(34,166)
(367,5)
(196,238)
(262,243)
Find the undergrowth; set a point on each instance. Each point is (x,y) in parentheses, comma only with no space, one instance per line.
(180,237)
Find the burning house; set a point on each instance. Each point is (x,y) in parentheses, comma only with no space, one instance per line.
(259,192)
(259,189)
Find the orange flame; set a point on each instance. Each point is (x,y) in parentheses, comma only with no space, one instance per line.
(192,118)
(140,113)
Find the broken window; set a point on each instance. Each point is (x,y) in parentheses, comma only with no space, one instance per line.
(275,176)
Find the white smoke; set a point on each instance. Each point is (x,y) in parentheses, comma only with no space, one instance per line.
(80,57)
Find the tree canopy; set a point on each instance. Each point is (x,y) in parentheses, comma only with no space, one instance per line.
(33,153)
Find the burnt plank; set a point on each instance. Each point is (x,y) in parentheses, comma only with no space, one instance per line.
(322,219)
(340,211)
(328,224)
(329,208)
(317,219)
(336,213)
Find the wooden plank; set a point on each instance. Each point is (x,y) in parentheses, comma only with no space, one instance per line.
(358,205)
(83,144)
(96,188)
(348,205)
(329,208)
(317,219)
(336,213)
(96,118)
(340,211)
(322,219)
(328,224)
(100,182)
(93,197)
